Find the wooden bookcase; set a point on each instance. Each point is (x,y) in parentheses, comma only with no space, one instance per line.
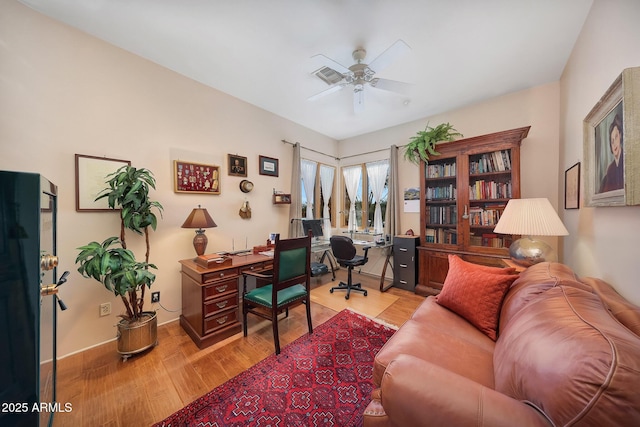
(463,193)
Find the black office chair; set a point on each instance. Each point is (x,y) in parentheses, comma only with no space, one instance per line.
(345,253)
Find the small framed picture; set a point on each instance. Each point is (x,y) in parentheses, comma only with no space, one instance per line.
(191,177)
(237,165)
(268,166)
(572,187)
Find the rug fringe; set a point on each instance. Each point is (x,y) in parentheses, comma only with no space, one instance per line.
(374,319)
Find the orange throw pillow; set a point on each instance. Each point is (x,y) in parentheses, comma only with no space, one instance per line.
(475,292)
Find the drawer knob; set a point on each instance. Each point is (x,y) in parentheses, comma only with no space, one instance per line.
(403,265)
(222,288)
(222,320)
(404,282)
(403,249)
(221,274)
(222,304)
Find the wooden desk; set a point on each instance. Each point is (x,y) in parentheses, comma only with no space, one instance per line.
(210,297)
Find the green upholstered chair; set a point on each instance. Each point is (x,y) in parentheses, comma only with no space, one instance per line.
(288,285)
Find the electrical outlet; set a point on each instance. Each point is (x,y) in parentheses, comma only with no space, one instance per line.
(105,309)
(155,296)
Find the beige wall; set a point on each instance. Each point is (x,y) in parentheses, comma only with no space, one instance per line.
(536,107)
(63,92)
(603,242)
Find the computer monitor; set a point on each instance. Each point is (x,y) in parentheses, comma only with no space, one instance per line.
(313,225)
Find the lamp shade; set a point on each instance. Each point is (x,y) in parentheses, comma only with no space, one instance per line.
(530,217)
(199,218)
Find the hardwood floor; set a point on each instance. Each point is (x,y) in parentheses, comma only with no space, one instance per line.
(105,391)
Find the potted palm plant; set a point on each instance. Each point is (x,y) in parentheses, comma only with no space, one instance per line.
(116,267)
(421,146)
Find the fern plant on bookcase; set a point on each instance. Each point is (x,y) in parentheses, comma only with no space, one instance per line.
(464,191)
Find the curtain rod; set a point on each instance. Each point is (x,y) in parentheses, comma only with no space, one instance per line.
(340,158)
(311,149)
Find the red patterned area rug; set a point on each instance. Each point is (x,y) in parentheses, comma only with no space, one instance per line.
(322,379)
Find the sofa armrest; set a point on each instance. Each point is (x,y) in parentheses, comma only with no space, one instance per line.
(418,393)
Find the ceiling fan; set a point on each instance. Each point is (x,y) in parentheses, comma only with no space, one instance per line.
(360,74)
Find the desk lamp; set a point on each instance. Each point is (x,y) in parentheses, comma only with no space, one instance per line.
(200,219)
(530,217)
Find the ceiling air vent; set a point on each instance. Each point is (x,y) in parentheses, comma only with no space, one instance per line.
(329,75)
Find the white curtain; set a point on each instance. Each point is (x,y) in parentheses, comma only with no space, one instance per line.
(326,183)
(377,174)
(308,171)
(295,208)
(352,176)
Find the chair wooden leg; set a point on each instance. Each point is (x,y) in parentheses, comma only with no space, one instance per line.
(244,319)
(308,304)
(276,338)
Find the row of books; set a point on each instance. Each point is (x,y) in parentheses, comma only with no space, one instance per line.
(445,215)
(485,216)
(497,161)
(491,240)
(441,192)
(482,189)
(441,170)
(440,235)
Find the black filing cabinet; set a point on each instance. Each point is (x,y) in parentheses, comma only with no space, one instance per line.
(405,261)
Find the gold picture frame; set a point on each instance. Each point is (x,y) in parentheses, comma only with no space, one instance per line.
(613,125)
(198,178)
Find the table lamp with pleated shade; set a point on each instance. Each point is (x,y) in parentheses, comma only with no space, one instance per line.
(528,218)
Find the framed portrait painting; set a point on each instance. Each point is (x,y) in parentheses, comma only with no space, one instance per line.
(611,142)
(237,165)
(268,166)
(189,177)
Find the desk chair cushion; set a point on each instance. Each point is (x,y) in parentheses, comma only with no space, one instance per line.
(345,252)
(262,295)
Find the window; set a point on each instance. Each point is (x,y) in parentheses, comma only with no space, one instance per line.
(374,177)
(321,188)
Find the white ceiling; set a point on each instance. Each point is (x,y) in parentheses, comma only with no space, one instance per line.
(462,51)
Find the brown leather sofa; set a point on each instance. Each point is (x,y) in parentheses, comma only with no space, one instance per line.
(567,354)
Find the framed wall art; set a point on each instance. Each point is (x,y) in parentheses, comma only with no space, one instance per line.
(91,178)
(189,177)
(237,165)
(572,187)
(268,166)
(611,141)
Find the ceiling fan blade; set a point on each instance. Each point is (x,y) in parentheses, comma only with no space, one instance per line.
(358,100)
(328,62)
(325,92)
(391,85)
(388,56)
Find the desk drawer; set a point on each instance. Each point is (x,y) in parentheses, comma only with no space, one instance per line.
(257,268)
(220,320)
(215,290)
(215,306)
(220,275)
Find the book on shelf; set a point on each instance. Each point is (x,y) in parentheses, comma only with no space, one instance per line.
(496,161)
